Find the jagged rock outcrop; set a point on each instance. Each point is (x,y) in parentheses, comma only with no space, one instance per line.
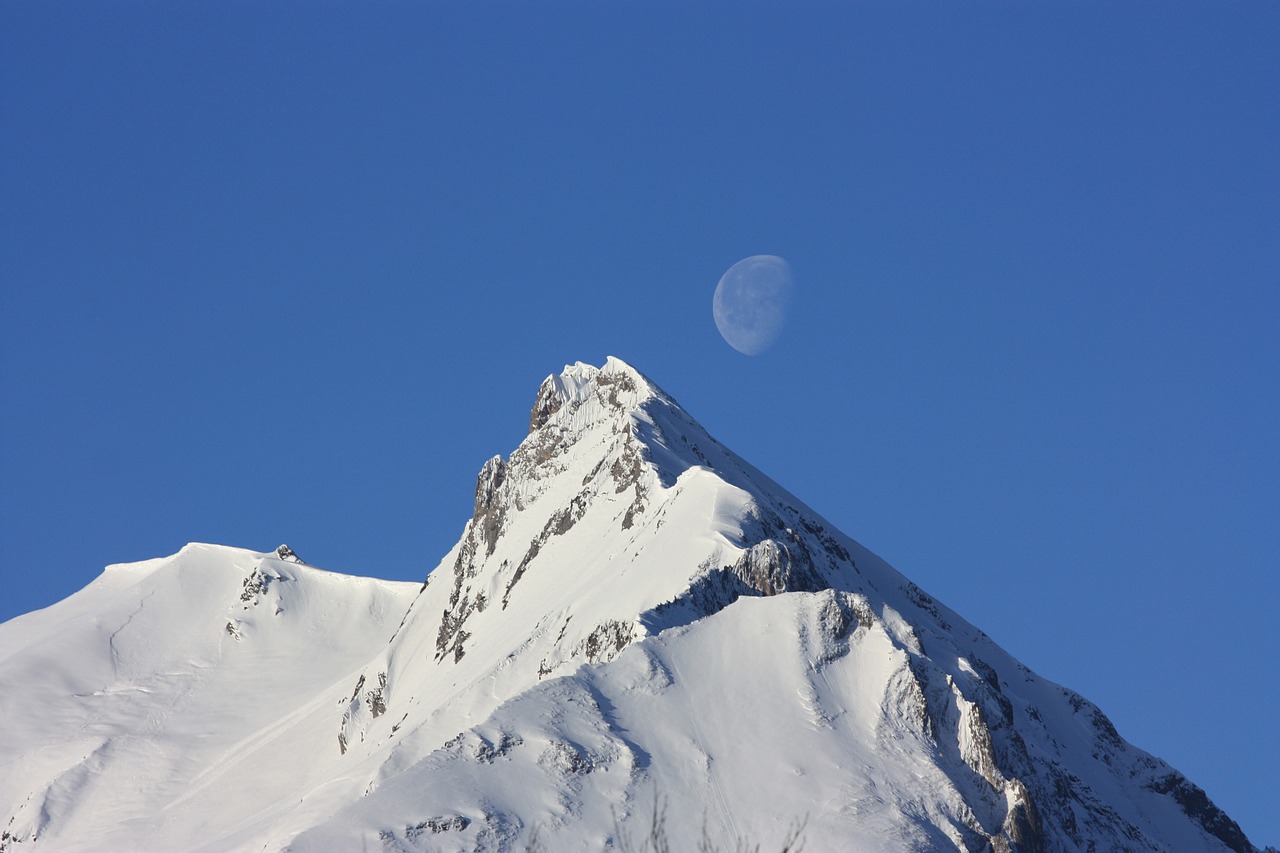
(284,552)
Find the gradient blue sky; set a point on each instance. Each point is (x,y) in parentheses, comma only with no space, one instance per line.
(282,272)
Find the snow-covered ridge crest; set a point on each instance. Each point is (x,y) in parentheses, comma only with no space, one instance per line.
(602,390)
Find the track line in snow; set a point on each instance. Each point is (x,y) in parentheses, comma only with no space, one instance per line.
(726,815)
(111,641)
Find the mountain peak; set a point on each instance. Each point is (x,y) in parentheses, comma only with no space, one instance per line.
(613,388)
(620,522)
(631,607)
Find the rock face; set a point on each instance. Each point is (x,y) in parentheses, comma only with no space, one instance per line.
(284,552)
(631,611)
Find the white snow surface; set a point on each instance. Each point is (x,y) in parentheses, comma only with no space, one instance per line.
(633,616)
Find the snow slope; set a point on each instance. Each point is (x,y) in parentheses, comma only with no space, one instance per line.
(633,614)
(136,711)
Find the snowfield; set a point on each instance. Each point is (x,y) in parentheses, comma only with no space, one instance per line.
(633,615)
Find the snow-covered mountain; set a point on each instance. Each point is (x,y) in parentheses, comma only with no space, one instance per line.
(633,616)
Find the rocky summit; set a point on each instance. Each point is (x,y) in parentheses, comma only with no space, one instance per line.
(635,624)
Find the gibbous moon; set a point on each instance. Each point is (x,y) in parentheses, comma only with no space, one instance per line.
(751,302)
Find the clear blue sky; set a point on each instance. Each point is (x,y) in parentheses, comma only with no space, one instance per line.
(275,272)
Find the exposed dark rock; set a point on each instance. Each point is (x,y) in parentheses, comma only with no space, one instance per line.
(771,567)
(627,472)
(284,552)
(981,757)
(841,613)
(547,404)
(986,671)
(908,691)
(481,535)
(1108,743)
(710,592)
(827,540)
(925,602)
(1200,808)
(255,585)
(483,749)
(1022,826)
(615,383)
(716,587)
(489,511)
(561,522)
(436,825)
(375,698)
(606,640)
(636,508)
(628,467)
(451,636)
(444,634)
(538,450)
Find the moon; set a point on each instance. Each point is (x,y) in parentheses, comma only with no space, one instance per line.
(751,302)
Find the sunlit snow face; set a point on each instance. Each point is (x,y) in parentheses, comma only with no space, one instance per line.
(751,301)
